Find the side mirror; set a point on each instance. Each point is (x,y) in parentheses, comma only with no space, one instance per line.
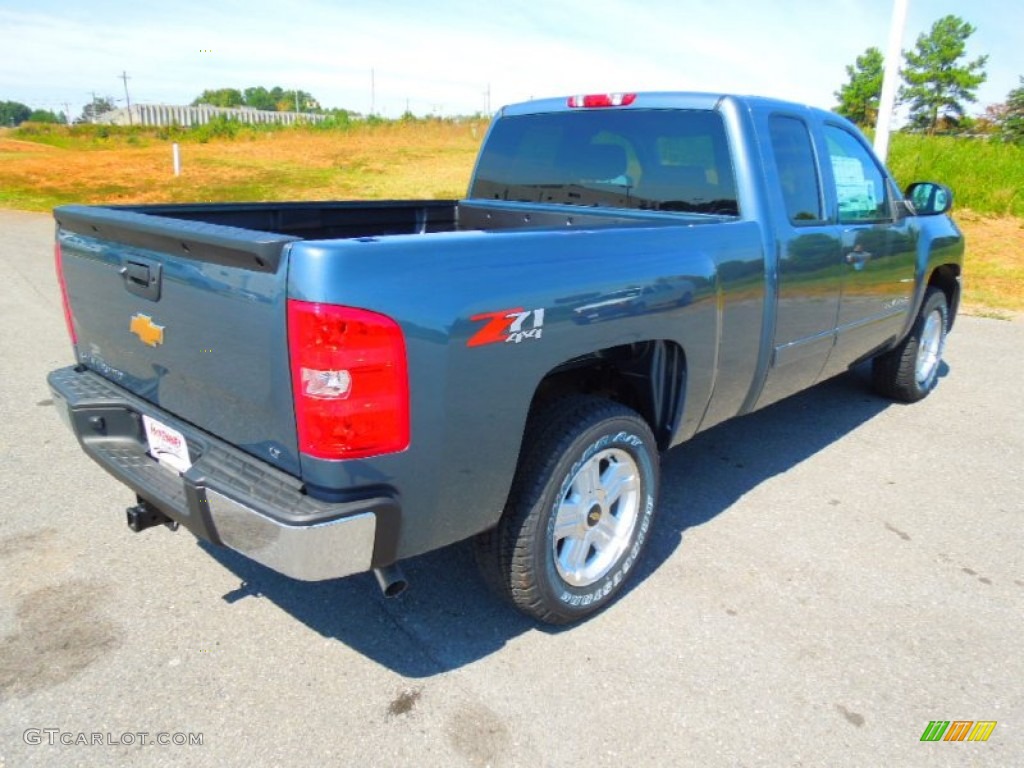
(929,198)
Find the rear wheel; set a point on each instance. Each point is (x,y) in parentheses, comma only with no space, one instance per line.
(911,370)
(579,513)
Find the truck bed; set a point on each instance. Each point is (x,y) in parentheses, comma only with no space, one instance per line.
(317,220)
(217,275)
(341,220)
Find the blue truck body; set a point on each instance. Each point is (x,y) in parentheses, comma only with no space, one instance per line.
(688,311)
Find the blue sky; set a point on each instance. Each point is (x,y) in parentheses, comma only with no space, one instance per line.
(442,57)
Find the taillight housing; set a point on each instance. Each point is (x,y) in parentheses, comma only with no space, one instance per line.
(595,100)
(350,381)
(58,263)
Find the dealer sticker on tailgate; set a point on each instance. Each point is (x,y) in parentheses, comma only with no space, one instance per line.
(167,445)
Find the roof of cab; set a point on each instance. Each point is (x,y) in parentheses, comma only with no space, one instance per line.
(654,100)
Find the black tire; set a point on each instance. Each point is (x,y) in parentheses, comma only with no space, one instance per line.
(911,370)
(576,441)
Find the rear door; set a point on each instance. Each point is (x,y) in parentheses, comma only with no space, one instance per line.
(189,316)
(808,260)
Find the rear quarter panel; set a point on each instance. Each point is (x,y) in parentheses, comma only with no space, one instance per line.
(597,288)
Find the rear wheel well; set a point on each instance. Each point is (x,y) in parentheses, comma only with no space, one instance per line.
(946,279)
(649,377)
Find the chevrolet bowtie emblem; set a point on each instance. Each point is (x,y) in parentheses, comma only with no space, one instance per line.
(148,332)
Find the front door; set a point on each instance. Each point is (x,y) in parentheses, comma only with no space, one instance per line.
(878,252)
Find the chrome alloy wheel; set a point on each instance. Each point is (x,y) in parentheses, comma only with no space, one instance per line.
(595,519)
(929,350)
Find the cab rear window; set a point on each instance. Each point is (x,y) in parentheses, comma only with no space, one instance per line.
(661,160)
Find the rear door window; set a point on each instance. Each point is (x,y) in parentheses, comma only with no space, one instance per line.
(797,169)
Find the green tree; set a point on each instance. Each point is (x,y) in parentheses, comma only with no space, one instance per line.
(220,97)
(1012,128)
(301,101)
(937,82)
(858,98)
(991,122)
(275,99)
(95,108)
(259,97)
(13,113)
(280,100)
(46,116)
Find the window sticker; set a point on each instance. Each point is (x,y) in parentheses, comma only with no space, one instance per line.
(856,193)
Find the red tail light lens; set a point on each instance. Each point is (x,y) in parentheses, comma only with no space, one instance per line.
(602,100)
(349,380)
(68,317)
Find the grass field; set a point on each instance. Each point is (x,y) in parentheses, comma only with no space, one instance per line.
(425,160)
(987,176)
(44,166)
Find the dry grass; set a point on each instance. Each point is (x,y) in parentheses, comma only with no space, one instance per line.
(994,264)
(423,160)
(431,160)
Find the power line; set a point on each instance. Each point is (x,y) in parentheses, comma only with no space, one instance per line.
(127,101)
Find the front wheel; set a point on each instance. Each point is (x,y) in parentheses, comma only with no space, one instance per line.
(911,370)
(579,513)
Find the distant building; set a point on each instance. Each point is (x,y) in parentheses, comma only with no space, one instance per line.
(164,115)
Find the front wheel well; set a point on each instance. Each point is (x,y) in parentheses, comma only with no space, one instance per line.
(649,377)
(947,279)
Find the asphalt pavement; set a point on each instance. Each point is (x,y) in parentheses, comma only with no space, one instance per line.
(826,577)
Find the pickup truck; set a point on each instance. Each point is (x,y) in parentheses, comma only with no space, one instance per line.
(332,387)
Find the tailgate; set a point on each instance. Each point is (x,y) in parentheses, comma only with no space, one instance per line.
(189,316)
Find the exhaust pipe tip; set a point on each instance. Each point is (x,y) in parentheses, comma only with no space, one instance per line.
(391,580)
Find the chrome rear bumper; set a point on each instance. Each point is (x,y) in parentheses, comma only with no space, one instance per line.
(227,497)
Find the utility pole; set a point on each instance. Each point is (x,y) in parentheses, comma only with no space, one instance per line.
(887,101)
(67,113)
(373,92)
(92,112)
(127,101)
(487,102)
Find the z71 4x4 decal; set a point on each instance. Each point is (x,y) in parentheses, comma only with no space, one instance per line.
(507,326)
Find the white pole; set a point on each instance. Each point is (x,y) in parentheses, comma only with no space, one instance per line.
(176,154)
(890,79)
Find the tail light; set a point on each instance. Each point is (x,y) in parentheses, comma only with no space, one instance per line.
(602,100)
(349,380)
(68,317)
